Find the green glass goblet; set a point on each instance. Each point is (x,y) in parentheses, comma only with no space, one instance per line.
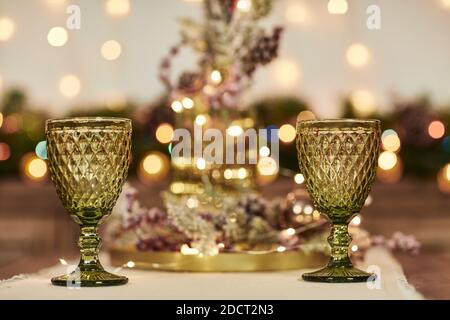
(88,161)
(338,159)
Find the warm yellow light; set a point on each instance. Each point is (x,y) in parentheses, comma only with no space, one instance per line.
(297,13)
(201,164)
(130,264)
(216,77)
(306,115)
(69,86)
(244,5)
(337,6)
(57,36)
(287,133)
(308,209)
(242,173)
(387,160)
(436,129)
(446,3)
(356,221)
(192,203)
(177,106)
(201,119)
(36,169)
(235,130)
(363,102)
(286,73)
(186,250)
(118,7)
(391,143)
(281,249)
(443,179)
(354,248)
(267,166)
(299,178)
(164,133)
(358,55)
(5,151)
(228,174)
(187,103)
(447,172)
(111,50)
(7,28)
(264,151)
(1,119)
(152,164)
(290,232)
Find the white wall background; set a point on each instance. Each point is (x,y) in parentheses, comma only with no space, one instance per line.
(410,55)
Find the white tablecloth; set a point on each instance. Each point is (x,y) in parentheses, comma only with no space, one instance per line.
(260,285)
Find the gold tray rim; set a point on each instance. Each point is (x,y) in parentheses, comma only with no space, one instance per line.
(223,262)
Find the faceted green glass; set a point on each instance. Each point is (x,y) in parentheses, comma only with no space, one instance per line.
(338,159)
(88,161)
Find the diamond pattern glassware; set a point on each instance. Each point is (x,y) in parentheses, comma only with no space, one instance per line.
(338,159)
(88,161)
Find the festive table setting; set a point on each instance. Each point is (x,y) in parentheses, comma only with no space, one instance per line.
(221,229)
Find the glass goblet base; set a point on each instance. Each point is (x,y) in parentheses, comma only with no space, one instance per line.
(339,274)
(98,278)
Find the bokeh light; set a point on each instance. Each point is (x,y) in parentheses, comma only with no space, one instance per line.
(164,133)
(57,36)
(387,160)
(299,178)
(337,6)
(287,133)
(306,115)
(297,13)
(267,166)
(111,50)
(41,150)
(118,7)
(443,179)
(358,55)
(200,164)
(235,130)
(177,106)
(363,102)
(33,168)
(244,5)
(390,141)
(1,119)
(187,103)
(436,129)
(216,77)
(286,73)
(70,86)
(264,151)
(7,28)
(201,119)
(5,151)
(154,167)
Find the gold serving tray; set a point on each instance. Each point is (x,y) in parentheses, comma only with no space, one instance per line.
(223,262)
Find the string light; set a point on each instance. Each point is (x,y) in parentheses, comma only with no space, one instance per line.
(299,178)
(235,130)
(264,151)
(216,77)
(306,115)
(286,73)
(57,37)
(242,173)
(297,13)
(363,102)
(69,86)
(358,55)
(201,119)
(391,142)
(5,151)
(153,167)
(164,133)
(187,103)
(7,28)
(436,129)
(118,7)
(244,5)
(200,163)
(387,160)
(287,133)
(337,6)
(41,150)
(177,106)
(34,169)
(111,50)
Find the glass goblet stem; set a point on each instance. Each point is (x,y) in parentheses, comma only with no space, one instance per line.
(89,244)
(339,241)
